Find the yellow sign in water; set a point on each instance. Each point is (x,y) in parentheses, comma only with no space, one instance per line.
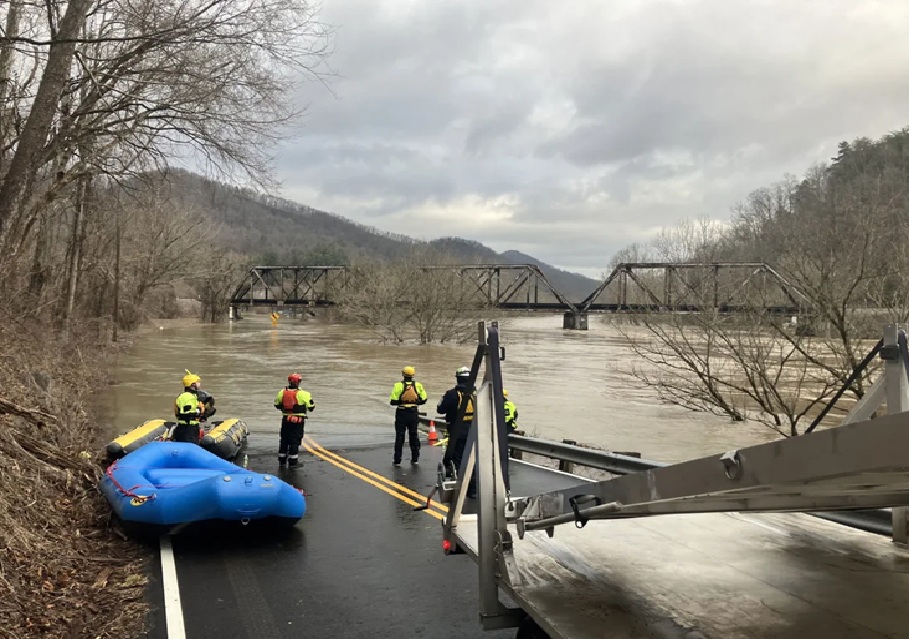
(274,319)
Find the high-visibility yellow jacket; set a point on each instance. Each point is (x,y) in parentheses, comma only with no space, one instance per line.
(302,402)
(401,389)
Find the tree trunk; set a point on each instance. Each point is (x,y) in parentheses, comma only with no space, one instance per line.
(115,312)
(6,70)
(75,251)
(24,163)
(38,277)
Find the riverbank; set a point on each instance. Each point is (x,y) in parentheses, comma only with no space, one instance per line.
(65,571)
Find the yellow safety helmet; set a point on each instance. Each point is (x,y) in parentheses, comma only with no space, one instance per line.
(505,392)
(408,371)
(189,379)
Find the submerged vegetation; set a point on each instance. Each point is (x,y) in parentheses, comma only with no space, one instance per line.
(839,239)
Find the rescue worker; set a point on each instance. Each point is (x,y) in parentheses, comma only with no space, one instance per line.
(406,396)
(192,407)
(295,404)
(511,413)
(457,400)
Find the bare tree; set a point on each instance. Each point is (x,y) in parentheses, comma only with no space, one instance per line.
(214,278)
(423,297)
(838,237)
(689,241)
(134,83)
(730,365)
(29,147)
(635,252)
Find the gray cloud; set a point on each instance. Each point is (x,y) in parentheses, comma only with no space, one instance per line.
(569,132)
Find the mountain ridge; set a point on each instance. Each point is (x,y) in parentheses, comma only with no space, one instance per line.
(275,230)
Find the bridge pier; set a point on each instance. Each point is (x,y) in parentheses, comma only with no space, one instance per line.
(806,325)
(574,321)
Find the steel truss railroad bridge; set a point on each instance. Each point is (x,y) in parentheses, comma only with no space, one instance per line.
(725,287)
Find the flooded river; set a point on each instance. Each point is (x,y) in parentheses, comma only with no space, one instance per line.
(566,384)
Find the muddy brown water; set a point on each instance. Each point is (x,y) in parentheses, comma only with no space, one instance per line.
(566,384)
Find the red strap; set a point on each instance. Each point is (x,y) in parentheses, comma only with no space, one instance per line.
(109,471)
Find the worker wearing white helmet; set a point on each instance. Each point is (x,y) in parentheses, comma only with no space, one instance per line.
(458,407)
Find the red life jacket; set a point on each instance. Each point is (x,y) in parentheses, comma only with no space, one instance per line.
(289,399)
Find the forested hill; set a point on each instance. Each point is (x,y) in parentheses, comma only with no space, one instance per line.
(278,231)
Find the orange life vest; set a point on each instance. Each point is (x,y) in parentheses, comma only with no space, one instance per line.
(409,394)
(289,399)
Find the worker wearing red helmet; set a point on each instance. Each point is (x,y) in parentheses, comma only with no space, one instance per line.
(294,404)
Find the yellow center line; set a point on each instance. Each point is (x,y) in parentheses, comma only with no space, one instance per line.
(382,478)
(406,500)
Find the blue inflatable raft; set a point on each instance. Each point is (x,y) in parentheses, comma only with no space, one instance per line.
(171,483)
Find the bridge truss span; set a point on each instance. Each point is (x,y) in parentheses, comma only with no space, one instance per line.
(290,285)
(515,286)
(726,287)
(506,286)
(633,287)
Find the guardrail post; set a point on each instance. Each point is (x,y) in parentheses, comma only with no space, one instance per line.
(564,465)
(515,453)
(900,524)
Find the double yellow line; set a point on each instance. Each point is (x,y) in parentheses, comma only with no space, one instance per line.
(393,488)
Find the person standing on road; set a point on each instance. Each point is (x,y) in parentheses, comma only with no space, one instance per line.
(192,407)
(295,404)
(457,401)
(406,396)
(511,413)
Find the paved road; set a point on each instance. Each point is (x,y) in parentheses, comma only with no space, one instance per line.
(361,563)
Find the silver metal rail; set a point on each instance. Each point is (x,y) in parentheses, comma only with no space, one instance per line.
(878,521)
(858,465)
(861,464)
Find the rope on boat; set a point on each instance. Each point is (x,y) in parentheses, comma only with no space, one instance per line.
(128,492)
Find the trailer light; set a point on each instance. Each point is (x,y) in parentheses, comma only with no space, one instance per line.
(446,545)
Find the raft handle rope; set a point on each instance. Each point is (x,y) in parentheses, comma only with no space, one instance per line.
(127,492)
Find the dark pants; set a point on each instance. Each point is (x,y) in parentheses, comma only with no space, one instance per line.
(406,421)
(454,454)
(448,459)
(457,441)
(291,438)
(188,433)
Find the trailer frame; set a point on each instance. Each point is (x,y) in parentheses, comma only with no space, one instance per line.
(858,465)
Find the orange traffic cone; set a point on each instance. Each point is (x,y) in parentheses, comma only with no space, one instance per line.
(433,436)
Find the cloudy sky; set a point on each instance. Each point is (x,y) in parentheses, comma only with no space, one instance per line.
(570,130)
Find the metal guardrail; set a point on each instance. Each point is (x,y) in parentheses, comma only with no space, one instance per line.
(615,463)
(874,521)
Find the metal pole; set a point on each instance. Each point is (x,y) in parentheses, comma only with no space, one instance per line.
(897,388)
(623,290)
(716,287)
(489,595)
(895,374)
(667,286)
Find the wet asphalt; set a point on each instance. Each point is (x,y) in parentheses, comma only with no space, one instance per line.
(361,562)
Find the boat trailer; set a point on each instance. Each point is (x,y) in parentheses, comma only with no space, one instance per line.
(561,589)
